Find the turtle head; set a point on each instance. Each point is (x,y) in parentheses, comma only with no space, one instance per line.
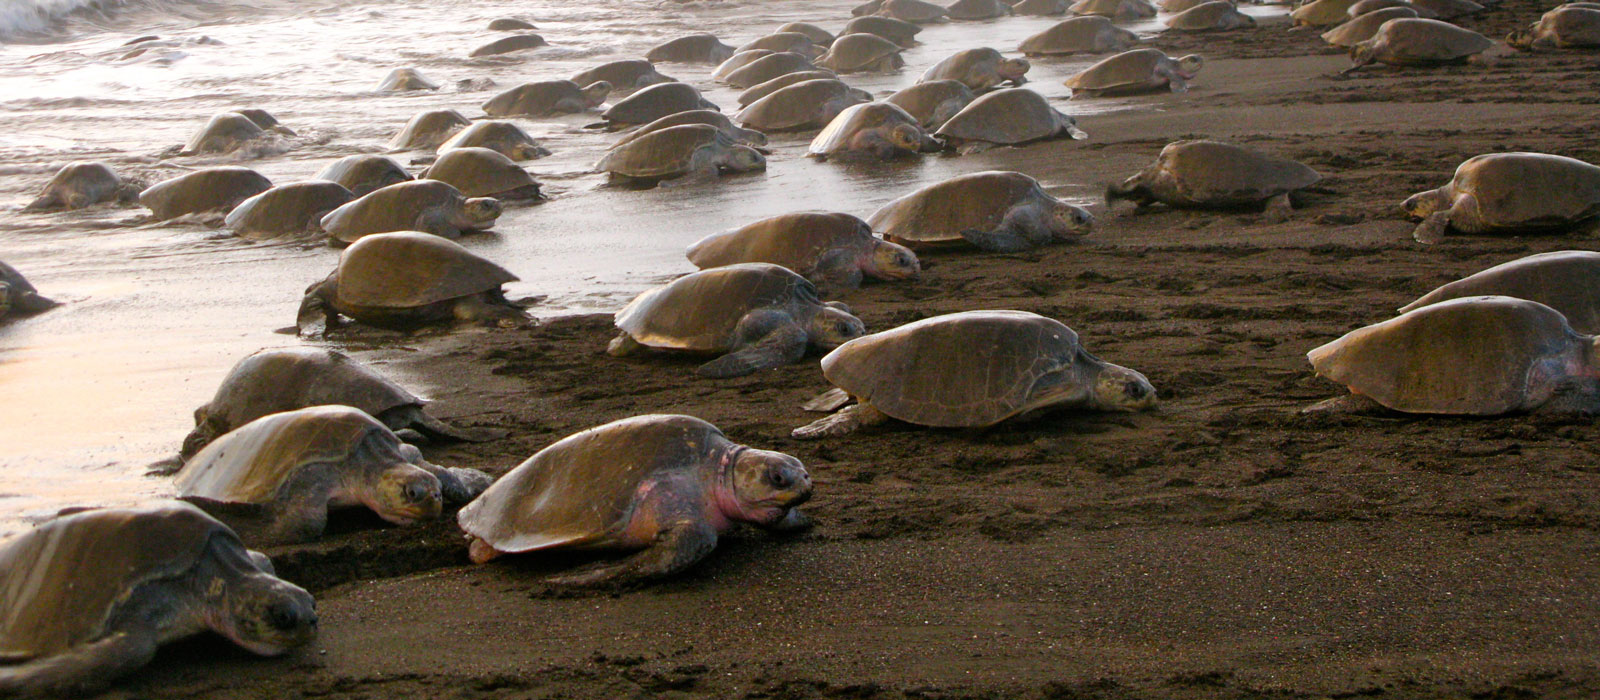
(832,327)
(907,137)
(1118,388)
(1189,66)
(595,93)
(750,137)
(1422,204)
(482,211)
(206,429)
(1068,221)
(259,611)
(1131,189)
(893,261)
(405,494)
(765,486)
(1013,69)
(1521,40)
(743,159)
(1361,54)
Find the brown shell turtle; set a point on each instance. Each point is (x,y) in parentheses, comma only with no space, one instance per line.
(290,469)
(1079,35)
(748,137)
(766,68)
(760,90)
(970,10)
(862,53)
(1042,8)
(876,130)
(1418,42)
(1176,6)
(364,173)
(739,60)
(275,380)
(624,76)
(787,42)
(934,102)
(978,69)
(287,210)
(505,138)
(203,191)
(420,205)
(807,105)
(818,35)
(1448,9)
(1362,28)
(697,151)
(1120,10)
(18,297)
(1139,70)
(427,130)
(915,11)
(1567,281)
(89,597)
(480,172)
(228,132)
(1509,192)
(510,24)
(509,44)
(902,33)
(756,316)
(1009,117)
(1215,175)
(834,251)
(655,102)
(1216,16)
(694,48)
(1368,6)
(925,373)
(407,279)
(406,80)
(78,185)
(1479,356)
(996,210)
(1322,13)
(667,485)
(1565,27)
(547,97)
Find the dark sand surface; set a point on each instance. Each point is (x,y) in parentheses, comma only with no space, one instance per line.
(1222,547)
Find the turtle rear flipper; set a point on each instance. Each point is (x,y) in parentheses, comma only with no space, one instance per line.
(675,549)
(1005,239)
(83,669)
(314,318)
(780,347)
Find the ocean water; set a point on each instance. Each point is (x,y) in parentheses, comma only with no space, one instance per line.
(155,315)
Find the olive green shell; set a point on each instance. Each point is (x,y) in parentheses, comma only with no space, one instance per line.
(1210,16)
(766,68)
(928,374)
(808,104)
(503,137)
(748,137)
(624,76)
(1079,35)
(1417,41)
(1115,9)
(978,68)
(1125,69)
(977,9)
(663,153)
(364,173)
(536,99)
(515,42)
(818,35)
(479,172)
(786,42)
(1569,26)
(901,32)
(406,270)
(941,211)
(836,137)
(1206,173)
(585,489)
(932,103)
(1041,7)
(405,80)
(1362,28)
(287,379)
(60,581)
(853,52)
(428,130)
(1567,281)
(251,463)
(913,11)
(1323,13)
(287,209)
(203,191)
(393,208)
(796,241)
(760,90)
(739,60)
(694,48)
(655,102)
(1473,356)
(700,311)
(223,133)
(1010,116)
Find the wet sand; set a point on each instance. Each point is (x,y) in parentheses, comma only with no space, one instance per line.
(1224,546)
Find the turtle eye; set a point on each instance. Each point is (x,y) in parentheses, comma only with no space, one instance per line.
(779,479)
(416,492)
(1136,390)
(283,617)
(842,328)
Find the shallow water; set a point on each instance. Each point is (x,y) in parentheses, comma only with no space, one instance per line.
(155,315)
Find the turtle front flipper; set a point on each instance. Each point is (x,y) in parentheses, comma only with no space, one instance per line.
(31,303)
(844,422)
(1004,239)
(81,670)
(315,318)
(782,346)
(1432,228)
(675,549)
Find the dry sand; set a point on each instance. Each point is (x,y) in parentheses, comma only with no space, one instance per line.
(1222,547)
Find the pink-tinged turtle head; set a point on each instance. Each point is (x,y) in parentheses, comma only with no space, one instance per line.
(261,612)
(406,494)
(893,261)
(764,486)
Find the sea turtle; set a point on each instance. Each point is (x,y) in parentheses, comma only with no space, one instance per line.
(760,90)
(1042,8)
(926,373)
(1362,28)
(275,380)
(700,151)
(695,48)
(547,97)
(364,173)
(994,210)
(977,9)
(1369,6)
(978,69)
(1176,6)
(505,138)
(1009,117)
(224,133)
(1079,35)
(510,24)
(1509,192)
(287,210)
(818,35)
(419,205)
(755,316)
(1565,27)
(1322,13)
(203,191)
(1480,356)
(934,102)
(89,597)
(902,33)
(480,172)
(1219,15)
(289,469)
(664,484)
(18,297)
(870,7)
(1215,175)
(655,102)
(806,105)
(406,279)
(406,80)
(1120,10)
(739,60)
(427,130)
(748,137)
(515,42)
(915,11)
(1139,70)
(854,53)
(1567,281)
(834,251)
(79,185)
(624,76)
(874,129)
(787,42)
(766,68)
(1449,9)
